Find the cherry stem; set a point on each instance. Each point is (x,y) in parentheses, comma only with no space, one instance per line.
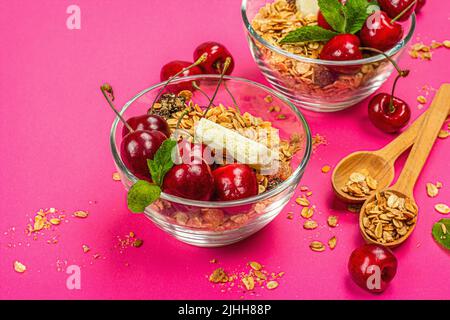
(225,67)
(396,66)
(196,63)
(229,92)
(391,101)
(404,11)
(197,87)
(105,89)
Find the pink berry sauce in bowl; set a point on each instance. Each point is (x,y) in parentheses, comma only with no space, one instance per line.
(220,223)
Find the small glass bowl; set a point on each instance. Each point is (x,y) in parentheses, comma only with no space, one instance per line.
(319,85)
(209,223)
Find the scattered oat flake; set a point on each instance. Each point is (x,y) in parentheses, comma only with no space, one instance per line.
(317,246)
(19,267)
(55,221)
(255,265)
(116,176)
(446,44)
(302,201)
(432,190)
(272,285)
(248,282)
(307,212)
(421,99)
(332,221)
(326,169)
(268,99)
(310,225)
(442,208)
(332,243)
(86,248)
(218,275)
(81,214)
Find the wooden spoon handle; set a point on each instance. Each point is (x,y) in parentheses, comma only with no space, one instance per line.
(428,132)
(404,141)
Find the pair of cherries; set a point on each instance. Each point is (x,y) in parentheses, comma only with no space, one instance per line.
(381,31)
(216,55)
(194,179)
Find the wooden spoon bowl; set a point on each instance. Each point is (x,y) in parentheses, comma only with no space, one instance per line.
(394,243)
(380,168)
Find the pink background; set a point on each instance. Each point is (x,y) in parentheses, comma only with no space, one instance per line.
(55,153)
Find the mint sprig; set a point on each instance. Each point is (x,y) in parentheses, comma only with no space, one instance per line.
(441,232)
(348,18)
(143,193)
(308,33)
(162,161)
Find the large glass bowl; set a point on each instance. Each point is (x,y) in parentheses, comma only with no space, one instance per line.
(212,224)
(319,85)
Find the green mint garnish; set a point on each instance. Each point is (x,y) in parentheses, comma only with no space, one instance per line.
(308,33)
(141,195)
(356,12)
(348,18)
(162,161)
(441,232)
(334,14)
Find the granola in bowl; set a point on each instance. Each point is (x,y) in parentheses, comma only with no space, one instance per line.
(295,68)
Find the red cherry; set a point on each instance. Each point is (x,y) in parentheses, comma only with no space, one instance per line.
(191,181)
(234,182)
(369,261)
(380,32)
(341,48)
(147,123)
(420,4)
(386,118)
(172,68)
(194,153)
(217,53)
(137,147)
(394,7)
(322,22)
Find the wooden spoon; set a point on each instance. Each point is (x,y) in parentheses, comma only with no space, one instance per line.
(404,187)
(379,163)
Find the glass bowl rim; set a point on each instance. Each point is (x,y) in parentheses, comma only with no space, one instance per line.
(376,58)
(219,204)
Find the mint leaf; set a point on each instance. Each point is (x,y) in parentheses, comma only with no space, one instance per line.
(441,232)
(308,33)
(162,161)
(356,12)
(141,195)
(334,13)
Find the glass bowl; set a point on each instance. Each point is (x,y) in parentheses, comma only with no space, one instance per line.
(208,223)
(313,84)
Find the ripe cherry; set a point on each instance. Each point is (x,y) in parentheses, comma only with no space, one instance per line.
(138,146)
(147,123)
(342,47)
(191,181)
(399,10)
(174,67)
(217,54)
(234,182)
(322,22)
(388,117)
(420,5)
(372,267)
(380,32)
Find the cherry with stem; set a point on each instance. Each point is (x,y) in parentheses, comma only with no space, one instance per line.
(196,63)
